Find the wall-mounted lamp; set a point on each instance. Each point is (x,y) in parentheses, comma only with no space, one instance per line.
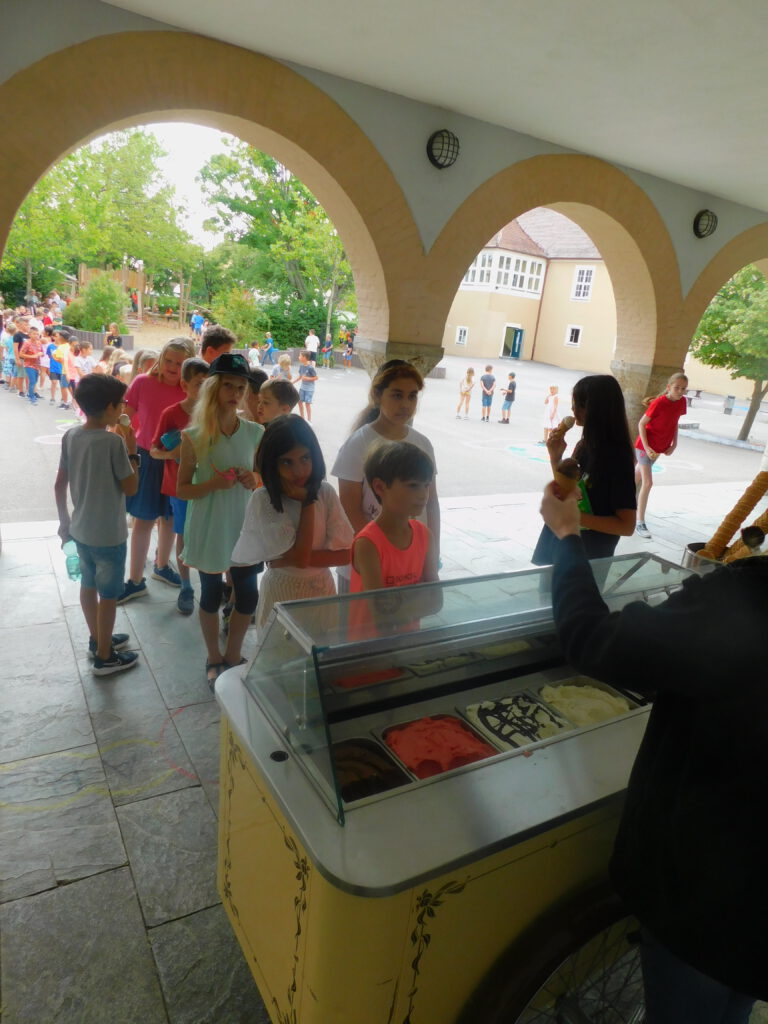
(704,223)
(442,149)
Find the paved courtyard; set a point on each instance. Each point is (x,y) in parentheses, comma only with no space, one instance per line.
(108,902)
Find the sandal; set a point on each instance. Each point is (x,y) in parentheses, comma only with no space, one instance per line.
(212,673)
(225,664)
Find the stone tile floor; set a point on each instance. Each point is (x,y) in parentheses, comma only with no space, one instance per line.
(108,903)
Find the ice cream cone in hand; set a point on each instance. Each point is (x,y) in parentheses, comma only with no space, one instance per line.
(567,475)
(563,427)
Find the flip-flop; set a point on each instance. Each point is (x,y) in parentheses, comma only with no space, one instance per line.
(212,672)
(225,664)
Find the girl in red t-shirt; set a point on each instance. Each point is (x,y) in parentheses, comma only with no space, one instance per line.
(657,431)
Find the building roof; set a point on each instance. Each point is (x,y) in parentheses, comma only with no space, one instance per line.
(558,237)
(515,239)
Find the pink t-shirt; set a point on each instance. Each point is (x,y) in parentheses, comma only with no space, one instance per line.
(150,398)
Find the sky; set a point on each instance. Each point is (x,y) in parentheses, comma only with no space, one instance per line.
(189,146)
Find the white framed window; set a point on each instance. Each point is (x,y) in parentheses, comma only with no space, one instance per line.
(471,274)
(535,271)
(484,269)
(582,283)
(519,273)
(462,333)
(503,270)
(572,336)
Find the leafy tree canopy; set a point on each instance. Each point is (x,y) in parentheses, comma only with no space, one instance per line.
(106,204)
(733,334)
(297,259)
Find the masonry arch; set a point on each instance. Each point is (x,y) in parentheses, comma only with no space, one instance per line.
(750,246)
(622,222)
(133,78)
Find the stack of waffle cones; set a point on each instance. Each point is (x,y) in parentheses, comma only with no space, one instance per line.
(716,547)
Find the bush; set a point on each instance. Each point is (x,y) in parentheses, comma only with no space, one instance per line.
(290,322)
(103,302)
(74,313)
(239,311)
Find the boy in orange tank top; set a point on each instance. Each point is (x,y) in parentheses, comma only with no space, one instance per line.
(396,549)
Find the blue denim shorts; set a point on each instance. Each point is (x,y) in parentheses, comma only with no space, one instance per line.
(103,568)
(506,406)
(179,513)
(306,395)
(487,400)
(643,458)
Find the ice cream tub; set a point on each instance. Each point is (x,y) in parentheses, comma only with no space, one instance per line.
(359,679)
(436,744)
(584,701)
(365,768)
(517,720)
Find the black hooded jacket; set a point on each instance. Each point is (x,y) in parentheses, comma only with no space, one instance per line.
(691,855)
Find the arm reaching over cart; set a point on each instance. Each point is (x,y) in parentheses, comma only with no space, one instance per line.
(688,858)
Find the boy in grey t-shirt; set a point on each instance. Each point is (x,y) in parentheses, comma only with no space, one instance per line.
(100,468)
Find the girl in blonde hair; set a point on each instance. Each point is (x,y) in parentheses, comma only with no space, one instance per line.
(465,390)
(657,435)
(216,476)
(143,362)
(145,401)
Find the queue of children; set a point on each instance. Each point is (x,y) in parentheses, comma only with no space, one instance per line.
(194,460)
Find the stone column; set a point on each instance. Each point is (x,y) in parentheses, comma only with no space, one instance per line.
(373,353)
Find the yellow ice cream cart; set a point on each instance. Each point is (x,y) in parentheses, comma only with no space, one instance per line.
(415,823)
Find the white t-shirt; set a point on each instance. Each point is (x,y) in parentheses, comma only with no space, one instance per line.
(311,342)
(253,356)
(351,459)
(267,533)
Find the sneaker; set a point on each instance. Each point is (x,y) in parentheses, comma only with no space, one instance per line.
(186,601)
(22,394)
(51,401)
(643,531)
(118,661)
(63,405)
(119,640)
(133,590)
(167,575)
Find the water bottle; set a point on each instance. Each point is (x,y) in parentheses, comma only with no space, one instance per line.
(73,560)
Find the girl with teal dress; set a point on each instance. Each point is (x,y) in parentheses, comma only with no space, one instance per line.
(216,475)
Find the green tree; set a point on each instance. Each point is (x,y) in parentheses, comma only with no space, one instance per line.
(107,204)
(299,267)
(733,334)
(239,311)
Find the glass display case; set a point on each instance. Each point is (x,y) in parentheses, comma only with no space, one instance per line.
(381,693)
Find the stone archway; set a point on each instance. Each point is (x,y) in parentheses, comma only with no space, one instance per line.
(130,78)
(620,219)
(750,246)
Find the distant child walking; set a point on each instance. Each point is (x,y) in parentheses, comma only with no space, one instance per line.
(295,522)
(306,379)
(488,385)
(551,413)
(396,549)
(466,384)
(216,476)
(657,435)
(283,369)
(100,468)
(508,397)
(166,446)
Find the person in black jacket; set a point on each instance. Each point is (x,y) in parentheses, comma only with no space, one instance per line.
(690,854)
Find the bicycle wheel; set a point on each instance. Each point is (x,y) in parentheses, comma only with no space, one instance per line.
(599,983)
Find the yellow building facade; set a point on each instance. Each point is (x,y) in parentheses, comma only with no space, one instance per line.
(541,291)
